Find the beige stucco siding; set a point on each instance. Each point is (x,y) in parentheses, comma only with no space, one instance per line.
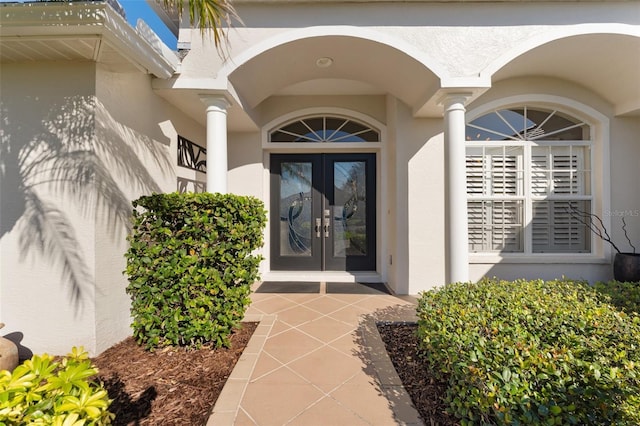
(47,255)
(72,250)
(625,180)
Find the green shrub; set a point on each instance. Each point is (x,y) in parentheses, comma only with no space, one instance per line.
(42,391)
(191,265)
(532,352)
(625,296)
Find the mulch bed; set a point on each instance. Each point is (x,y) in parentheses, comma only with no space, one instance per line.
(426,392)
(170,386)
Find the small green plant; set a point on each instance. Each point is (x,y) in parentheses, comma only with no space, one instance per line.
(532,352)
(190,266)
(42,391)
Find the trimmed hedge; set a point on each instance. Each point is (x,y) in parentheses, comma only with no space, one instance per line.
(625,296)
(532,352)
(191,265)
(42,391)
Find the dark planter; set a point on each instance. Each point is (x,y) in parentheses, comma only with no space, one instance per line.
(626,267)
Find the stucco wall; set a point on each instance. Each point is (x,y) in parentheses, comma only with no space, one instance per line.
(47,252)
(96,140)
(419,202)
(276,107)
(459,38)
(625,180)
(139,130)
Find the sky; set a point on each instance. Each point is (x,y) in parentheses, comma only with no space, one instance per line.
(135,9)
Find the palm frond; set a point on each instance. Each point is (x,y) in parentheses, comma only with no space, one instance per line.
(48,232)
(82,177)
(210,16)
(124,148)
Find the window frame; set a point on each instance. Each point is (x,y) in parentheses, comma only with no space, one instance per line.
(307,113)
(599,176)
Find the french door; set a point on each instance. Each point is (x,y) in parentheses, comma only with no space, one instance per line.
(323,212)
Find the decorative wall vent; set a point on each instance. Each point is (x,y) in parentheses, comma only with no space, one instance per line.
(191,156)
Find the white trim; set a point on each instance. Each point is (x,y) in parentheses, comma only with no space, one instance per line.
(599,123)
(217,145)
(326,276)
(382,227)
(544,258)
(308,112)
(456,187)
(310,147)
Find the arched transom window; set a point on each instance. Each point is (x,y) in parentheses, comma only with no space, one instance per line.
(529,170)
(324,128)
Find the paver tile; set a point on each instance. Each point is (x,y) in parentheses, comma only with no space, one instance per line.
(290,345)
(347,344)
(278,397)
(326,329)
(328,412)
(326,368)
(325,304)
(266,364)
(369,404)
(351,315)
(298,315)
(271,305)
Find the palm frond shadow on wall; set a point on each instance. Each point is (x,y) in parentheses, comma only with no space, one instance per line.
(77,160)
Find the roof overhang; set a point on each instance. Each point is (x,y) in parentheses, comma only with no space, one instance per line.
(81,31)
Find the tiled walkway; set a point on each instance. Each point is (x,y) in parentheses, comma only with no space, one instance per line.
(316,359)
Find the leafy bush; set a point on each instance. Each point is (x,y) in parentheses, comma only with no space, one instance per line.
(42,391)
(190,266)
(625,296)
(532,352)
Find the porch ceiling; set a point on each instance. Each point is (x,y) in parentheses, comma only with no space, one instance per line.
(360,66)
(86,48)
(607,64)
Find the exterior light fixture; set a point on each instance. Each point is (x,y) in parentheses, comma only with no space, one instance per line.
(324,62)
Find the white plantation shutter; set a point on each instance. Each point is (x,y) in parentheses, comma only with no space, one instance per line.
(555,230)
(493,179)
(503,190)
(475,210)
(557,174)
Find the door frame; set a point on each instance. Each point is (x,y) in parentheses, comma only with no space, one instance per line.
(383,179)
(322,239)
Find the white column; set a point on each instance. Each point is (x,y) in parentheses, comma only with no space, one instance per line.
(216,142)
(454,140)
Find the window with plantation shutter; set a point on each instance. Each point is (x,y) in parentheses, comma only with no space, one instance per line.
(526,168)
(494,188)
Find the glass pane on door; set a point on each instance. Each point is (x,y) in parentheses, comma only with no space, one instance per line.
(350,208)
(296,225)
(323,212)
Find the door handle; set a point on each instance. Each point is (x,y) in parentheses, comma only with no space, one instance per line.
(327,223)
(318,225)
